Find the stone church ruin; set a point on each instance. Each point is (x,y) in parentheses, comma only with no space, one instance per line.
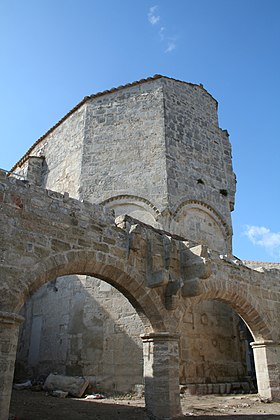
(116,241)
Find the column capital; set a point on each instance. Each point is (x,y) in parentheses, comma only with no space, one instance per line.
(159,336)
(264,343)
(10,318)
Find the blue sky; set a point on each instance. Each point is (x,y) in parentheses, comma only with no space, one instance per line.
(55,52)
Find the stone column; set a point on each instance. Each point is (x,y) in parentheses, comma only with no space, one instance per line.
(9,328)
(161,375)
(267,363)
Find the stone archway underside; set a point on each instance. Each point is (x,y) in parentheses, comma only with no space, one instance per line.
(46,235)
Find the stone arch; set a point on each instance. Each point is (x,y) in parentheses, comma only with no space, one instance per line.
(237,297)
(157,340)
(138,207)
(266,344)
(213,346)
(213,230)
(146,302)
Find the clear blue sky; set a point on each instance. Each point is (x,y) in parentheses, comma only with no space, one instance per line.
(54,52)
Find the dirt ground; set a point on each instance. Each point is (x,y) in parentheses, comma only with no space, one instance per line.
(30,405)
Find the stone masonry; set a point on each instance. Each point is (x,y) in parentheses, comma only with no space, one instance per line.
(152,150)
(41,234)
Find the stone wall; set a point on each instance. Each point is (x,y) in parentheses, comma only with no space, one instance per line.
(213,348)
(124,145)
(46,235)
(81,326)
(201,182)
(61,149)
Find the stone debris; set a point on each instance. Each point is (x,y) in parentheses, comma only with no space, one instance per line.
(139,390)
(59,394)
(95,397)
(74,385)
(23,385)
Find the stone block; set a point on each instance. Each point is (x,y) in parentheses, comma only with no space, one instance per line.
(75,386)
(245,387)
(216,388)
(228,388)
(209,388)
(59,394)
(223,388)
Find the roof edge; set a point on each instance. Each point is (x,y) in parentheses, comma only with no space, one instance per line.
(23,159)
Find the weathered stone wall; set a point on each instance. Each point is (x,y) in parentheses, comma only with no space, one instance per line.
(201,182)
(212,348)
(46,235)
(155,146)
(124,145)
(81,326)
(62,150)
(201,194)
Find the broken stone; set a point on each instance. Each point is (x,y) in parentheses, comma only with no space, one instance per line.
(24,385)
(95,397)
(59,394)
(139,390)
(74,385)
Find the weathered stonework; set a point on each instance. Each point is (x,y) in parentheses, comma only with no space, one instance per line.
(86,340)
(152,150)
(38,246)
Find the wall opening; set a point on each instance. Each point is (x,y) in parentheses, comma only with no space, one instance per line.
(81,326)
(215,352)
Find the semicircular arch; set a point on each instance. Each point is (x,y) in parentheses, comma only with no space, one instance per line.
(197,220)
(236,297)
(135,206)
(206,208)
(130,283)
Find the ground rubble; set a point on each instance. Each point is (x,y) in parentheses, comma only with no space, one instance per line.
(30,405)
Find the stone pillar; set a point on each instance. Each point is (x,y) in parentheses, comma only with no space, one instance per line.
(9,328)
(267,363)
(161,375)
